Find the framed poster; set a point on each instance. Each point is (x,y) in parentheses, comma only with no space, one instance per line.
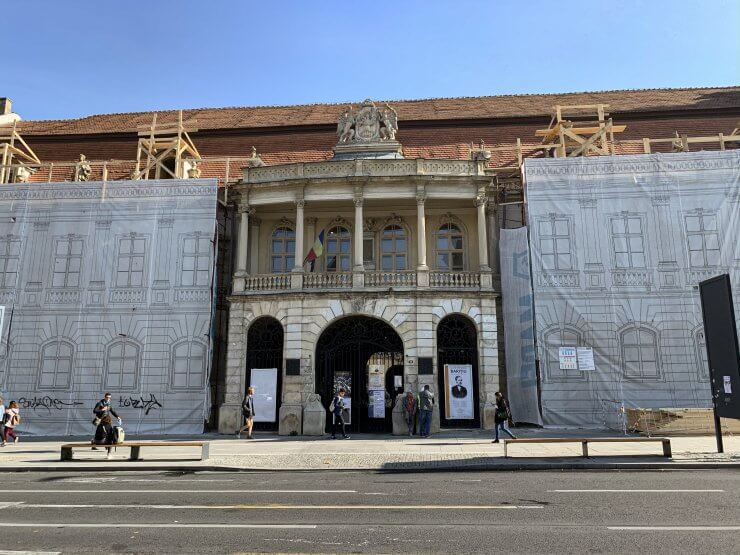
(459,392)
(568,358)
(264,382)
(376,407)
(585,357)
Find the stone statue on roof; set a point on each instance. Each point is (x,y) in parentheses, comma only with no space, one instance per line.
(344,127)
(367,132)
(389,119)
(83,170)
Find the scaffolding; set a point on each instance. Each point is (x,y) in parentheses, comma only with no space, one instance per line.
(166,151)
(573,131)
(18,161)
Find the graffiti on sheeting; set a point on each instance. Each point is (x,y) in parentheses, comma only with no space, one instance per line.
(46,403)
(139,403)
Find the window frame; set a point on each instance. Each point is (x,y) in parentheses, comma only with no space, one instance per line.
(552,220)
(68,257)
(439,233)
(340,256)
(5,256)
(702,233)
(552,362)
(120,255)
(285,255)
(394,253)
(137,368)
(55,343)
(627,236)
(641,330)
(189,342)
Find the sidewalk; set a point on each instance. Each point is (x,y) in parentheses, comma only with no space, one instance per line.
(450,450)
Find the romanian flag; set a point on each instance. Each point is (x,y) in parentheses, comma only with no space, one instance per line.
(316,251)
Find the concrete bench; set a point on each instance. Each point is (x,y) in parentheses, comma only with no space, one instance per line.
(135,446)
(584,441)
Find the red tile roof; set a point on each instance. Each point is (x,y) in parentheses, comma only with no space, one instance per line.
(429,110)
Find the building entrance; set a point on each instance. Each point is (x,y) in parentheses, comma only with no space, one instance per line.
(457,355)
(363,355)
(265,358)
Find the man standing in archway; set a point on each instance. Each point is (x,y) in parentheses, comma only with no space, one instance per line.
(426,406)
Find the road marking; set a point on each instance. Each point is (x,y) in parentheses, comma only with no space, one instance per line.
(276,506)
(5,505)
(119,525)
(178,491)
(635,491)
(102,480)
(30,552)
(676,528)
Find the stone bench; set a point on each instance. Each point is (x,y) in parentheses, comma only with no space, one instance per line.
(135,446)
(584,441)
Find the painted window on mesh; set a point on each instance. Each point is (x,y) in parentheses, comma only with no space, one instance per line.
(67,262)
(196,261)
(55,369)
(702,361)
(703,239)
(640,353)
(450,251)
(556,250)
(282,250)
(122,365)
(10,252)
(188,365)
(554,339)
(628,241)
(338,249)
(393,245)
(130,264)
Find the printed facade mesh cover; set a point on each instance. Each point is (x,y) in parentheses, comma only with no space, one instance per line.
(107,287)
(619,246)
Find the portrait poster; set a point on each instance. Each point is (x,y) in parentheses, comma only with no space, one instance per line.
(459,392)
(264,382)
(377,403)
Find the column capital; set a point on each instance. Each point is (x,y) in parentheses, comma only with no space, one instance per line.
(246,209)
(421,197)
(481,200)
(311,220)
(300,203)
(358,200)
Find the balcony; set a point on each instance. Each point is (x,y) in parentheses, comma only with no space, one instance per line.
(406,280)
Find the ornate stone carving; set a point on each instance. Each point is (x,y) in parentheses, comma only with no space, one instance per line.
(367,124)
(194,171)
(255,161)
(393,219)
(371,224)
(83,170)
(480,154)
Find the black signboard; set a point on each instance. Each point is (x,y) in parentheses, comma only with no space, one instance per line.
(425,365)
(292,367)
(720,332)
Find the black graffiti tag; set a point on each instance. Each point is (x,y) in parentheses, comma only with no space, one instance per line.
(140,403)
(47,403)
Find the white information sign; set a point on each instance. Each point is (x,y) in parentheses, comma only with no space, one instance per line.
(585,357)
(727,383)
(264,382)
(377,403)
(459,392)
(568,358)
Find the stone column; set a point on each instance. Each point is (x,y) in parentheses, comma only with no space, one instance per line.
(254,239)
(299,254)
(101,261)
(311,231)
(667,263)
(593,269)
(161,287)
(421,228)
(241,253)
(493,237)
(358,238)
(480,203)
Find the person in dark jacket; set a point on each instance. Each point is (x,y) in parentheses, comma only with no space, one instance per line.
(102,409)
(247,413)
(410,408)
(502,416)
(338,414)
(104,432)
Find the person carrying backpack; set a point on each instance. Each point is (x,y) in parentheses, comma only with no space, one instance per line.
(11,418)
(426,406)
(502,416)
(337,410)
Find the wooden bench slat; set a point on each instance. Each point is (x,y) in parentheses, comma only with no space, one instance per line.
(68,448)
(584,441)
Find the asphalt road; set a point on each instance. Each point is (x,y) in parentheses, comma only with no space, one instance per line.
(550,512)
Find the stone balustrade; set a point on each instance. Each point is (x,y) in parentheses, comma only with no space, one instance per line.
(333,280)
(267,282)
(454,280)
(390,279)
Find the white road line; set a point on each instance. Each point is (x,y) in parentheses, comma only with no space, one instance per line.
(635,491)
(178,491)
(119,525)
(30,552)
(676,528)
(103,480)
(275,506)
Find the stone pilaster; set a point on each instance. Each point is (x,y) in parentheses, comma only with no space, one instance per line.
(102,262)
(593,267)
(667,262)
(162,261)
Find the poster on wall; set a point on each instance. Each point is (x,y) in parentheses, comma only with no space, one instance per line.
(264,382)
(459,392)
(568,358)
(343,379)
(585,357)
(377,403)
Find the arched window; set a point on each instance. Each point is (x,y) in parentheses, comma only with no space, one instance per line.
(282,250)
(393,247)
(122,365)
(640,353)
(188,365)
(449,248)
(554,339)
(338,249)
(702,361)
(55,369)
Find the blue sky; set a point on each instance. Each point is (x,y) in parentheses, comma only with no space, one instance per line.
(80,57)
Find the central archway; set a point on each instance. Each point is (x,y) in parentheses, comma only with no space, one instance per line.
(359,353)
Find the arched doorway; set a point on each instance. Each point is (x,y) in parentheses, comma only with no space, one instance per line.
(265,352)
(358,353)
(457,344)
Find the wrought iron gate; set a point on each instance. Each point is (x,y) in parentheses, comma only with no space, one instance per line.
(265,350)
(457,343)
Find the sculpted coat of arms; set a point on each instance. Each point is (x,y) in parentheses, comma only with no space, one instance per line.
(367,124)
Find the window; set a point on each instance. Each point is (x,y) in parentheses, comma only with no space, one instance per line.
(10,251)
(188,365)
(122,365)
(703,240)
(368,250)
(338,243)
(282,250)
(700,347)
(55,371)
(450,248)
(640,353)
(628,242)
(196,261)
(555,247)
(67,262)
(554,339)
(130,267)
(393,249)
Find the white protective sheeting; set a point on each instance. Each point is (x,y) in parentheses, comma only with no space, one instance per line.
(516,288)
(619,245)
(107,287)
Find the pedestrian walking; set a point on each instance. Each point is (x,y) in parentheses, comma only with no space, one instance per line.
(410,408)
(426,406)
(337,409)
(502,416)
(2,418)
(101,409)
(247,413)
(11,419)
